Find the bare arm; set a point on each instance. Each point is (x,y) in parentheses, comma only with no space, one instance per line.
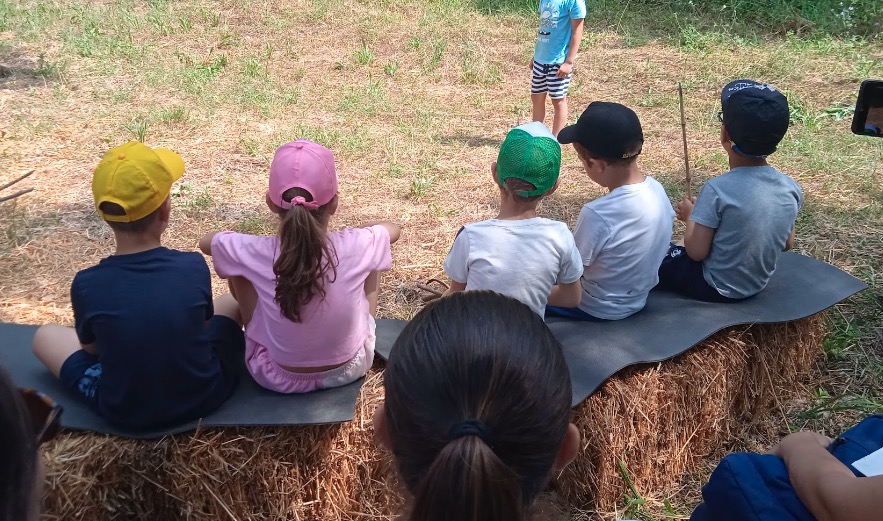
(394,230)
(697,237)
(455,287)
(790,242)
(205,244)
(827,487)
(566,295)
(576,37)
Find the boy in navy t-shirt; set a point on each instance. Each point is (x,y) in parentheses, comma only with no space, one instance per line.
(149,347)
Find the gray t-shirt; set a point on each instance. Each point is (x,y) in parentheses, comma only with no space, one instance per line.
(522,259)
(753,210)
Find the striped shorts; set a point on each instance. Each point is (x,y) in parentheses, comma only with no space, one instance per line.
(544,79)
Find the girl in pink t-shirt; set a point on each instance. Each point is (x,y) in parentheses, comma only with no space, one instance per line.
(307,296)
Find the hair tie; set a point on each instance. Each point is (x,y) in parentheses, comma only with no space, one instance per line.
(471,428)
(299,200)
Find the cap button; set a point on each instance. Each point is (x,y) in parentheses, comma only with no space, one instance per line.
(121,156)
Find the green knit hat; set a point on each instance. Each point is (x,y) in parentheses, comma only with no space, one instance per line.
(530,153)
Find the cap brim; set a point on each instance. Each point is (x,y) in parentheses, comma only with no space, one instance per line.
(567,134)
(172,161)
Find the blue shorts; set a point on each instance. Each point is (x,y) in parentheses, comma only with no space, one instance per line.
(572,313)
(681,274)
(81,372)
(545,79)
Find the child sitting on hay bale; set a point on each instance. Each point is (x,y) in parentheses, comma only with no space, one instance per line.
(149,347)
(307,295)
(477,410)
(741,221)
(622,235)
(518,254)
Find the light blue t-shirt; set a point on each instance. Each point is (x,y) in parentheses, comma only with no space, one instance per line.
(553,39)
(753,210)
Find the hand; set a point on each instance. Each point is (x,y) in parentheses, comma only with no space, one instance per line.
(792,441)
(564,70)
(685,208)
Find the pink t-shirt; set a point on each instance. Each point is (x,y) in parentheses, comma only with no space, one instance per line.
(333,329)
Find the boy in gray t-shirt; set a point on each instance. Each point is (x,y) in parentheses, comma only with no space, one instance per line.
(742,220)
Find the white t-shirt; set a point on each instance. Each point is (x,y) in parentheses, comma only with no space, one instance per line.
(623,238)
(522,259)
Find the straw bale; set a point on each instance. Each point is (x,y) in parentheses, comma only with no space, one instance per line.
(661,420)
(323,472)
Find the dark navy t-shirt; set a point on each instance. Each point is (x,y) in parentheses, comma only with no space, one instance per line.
(147,314)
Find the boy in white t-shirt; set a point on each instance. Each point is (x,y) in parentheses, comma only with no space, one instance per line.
(621,235)
(518,254)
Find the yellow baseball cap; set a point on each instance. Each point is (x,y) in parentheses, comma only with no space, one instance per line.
(136,177)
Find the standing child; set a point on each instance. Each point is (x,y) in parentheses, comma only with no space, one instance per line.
(518,254)
(149,348)
(558,40)
(742,220)
(622,235)
(307,295)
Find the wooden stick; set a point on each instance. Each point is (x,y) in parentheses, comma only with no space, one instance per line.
(684,136)
(7,185)
(16,194)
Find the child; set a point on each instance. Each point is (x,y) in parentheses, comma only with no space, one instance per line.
(745,218)
(307,295)
(517,253)
(558,40)
(622,235)
(149,347)
(477,409)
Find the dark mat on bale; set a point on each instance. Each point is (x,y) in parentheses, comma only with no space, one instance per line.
(249,405)
(670,324)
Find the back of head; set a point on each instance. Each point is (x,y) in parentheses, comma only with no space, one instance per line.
(756,117)
(18,456)
(303,186)
(531,157)
(608,131)
(132,182)
(477,406)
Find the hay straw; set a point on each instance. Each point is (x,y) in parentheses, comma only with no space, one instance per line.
(660,420)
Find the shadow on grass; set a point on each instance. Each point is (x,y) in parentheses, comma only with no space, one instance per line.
(470,141)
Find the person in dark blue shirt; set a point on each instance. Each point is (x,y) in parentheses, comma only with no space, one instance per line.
(149,348)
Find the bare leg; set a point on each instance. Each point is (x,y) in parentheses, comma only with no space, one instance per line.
(246,297)
(372,291)
(538,107)
(54,344)
(559,115)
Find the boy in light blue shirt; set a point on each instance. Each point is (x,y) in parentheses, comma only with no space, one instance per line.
(558,39)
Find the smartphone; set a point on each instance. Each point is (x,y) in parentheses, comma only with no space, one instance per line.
(868,118)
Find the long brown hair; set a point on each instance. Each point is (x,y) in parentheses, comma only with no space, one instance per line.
(306,258)
(477,405)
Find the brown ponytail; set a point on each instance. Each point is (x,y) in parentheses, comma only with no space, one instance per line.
(305,256)
(477,406)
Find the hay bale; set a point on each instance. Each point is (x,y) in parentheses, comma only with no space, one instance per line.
(661,420)
(324,472)
(658,419)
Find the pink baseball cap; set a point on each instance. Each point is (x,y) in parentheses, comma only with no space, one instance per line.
(303,164)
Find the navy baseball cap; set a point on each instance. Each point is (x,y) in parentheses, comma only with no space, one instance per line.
(756,116)
(607,130)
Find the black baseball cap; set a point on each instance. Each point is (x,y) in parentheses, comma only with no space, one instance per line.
(756,116)
(606,129)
